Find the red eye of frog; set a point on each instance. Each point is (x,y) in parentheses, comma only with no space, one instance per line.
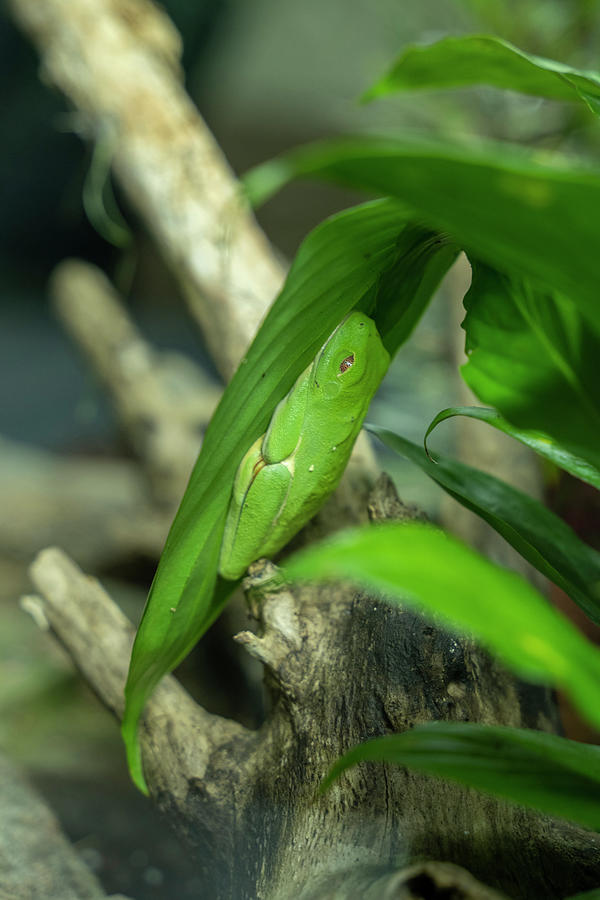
(346,363)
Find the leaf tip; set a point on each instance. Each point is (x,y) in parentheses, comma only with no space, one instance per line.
(372,93)
(426,449)
(333,774)
(134,754)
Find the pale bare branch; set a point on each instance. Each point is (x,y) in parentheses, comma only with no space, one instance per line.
(163,400)
(117,62)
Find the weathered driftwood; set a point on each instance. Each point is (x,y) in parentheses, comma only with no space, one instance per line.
(163,400)
(99,508)
(36,860)
(340,667)
(118,63)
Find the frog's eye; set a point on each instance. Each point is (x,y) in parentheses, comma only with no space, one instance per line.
(346,363)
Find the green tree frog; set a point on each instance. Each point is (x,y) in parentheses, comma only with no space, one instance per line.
(290,470)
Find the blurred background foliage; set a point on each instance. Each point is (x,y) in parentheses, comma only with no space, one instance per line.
(266,76)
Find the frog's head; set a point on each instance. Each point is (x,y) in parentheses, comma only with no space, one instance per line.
(353,361)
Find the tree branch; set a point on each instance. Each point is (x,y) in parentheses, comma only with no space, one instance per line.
(118,63)
(98,637)
(98,508)
(248,802)
(163,400)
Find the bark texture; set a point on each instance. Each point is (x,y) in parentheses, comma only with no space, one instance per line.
(340,667)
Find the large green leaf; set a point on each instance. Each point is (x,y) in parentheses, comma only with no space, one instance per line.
(343,263)
(541,443)
(539,535)
(534,358)
(531,768)
(478,59)
(522,213)
(422,566)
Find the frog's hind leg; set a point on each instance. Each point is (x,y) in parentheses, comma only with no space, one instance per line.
(252,518)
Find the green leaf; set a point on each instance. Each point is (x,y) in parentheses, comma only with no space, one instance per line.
(344,262)
(540,536)
(403,291)
(523,213)
(534,358)
(587,895)
(541,443)
(531,768)
(482,59)
(422,566)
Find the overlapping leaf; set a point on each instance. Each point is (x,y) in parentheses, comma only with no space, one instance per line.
(343,263)
(402,292)
(520,212)
(539,535)
(541,443)
(535,358)
(478,59)
(531,768)
(421,565)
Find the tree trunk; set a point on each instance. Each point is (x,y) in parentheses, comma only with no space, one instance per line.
(340,667)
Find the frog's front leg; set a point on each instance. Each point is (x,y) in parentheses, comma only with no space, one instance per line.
(259,493)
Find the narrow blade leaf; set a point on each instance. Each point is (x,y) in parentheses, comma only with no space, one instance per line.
(531,768)
(422,566)
(349,260)
(479,59)
(539,535)
(541,443)
(337,264)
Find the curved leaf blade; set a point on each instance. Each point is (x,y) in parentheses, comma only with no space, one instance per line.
(422,566)
(500,204)
(533,357)
(531,768)
(539,442)
(483,59)
(540,536)
(403,292)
